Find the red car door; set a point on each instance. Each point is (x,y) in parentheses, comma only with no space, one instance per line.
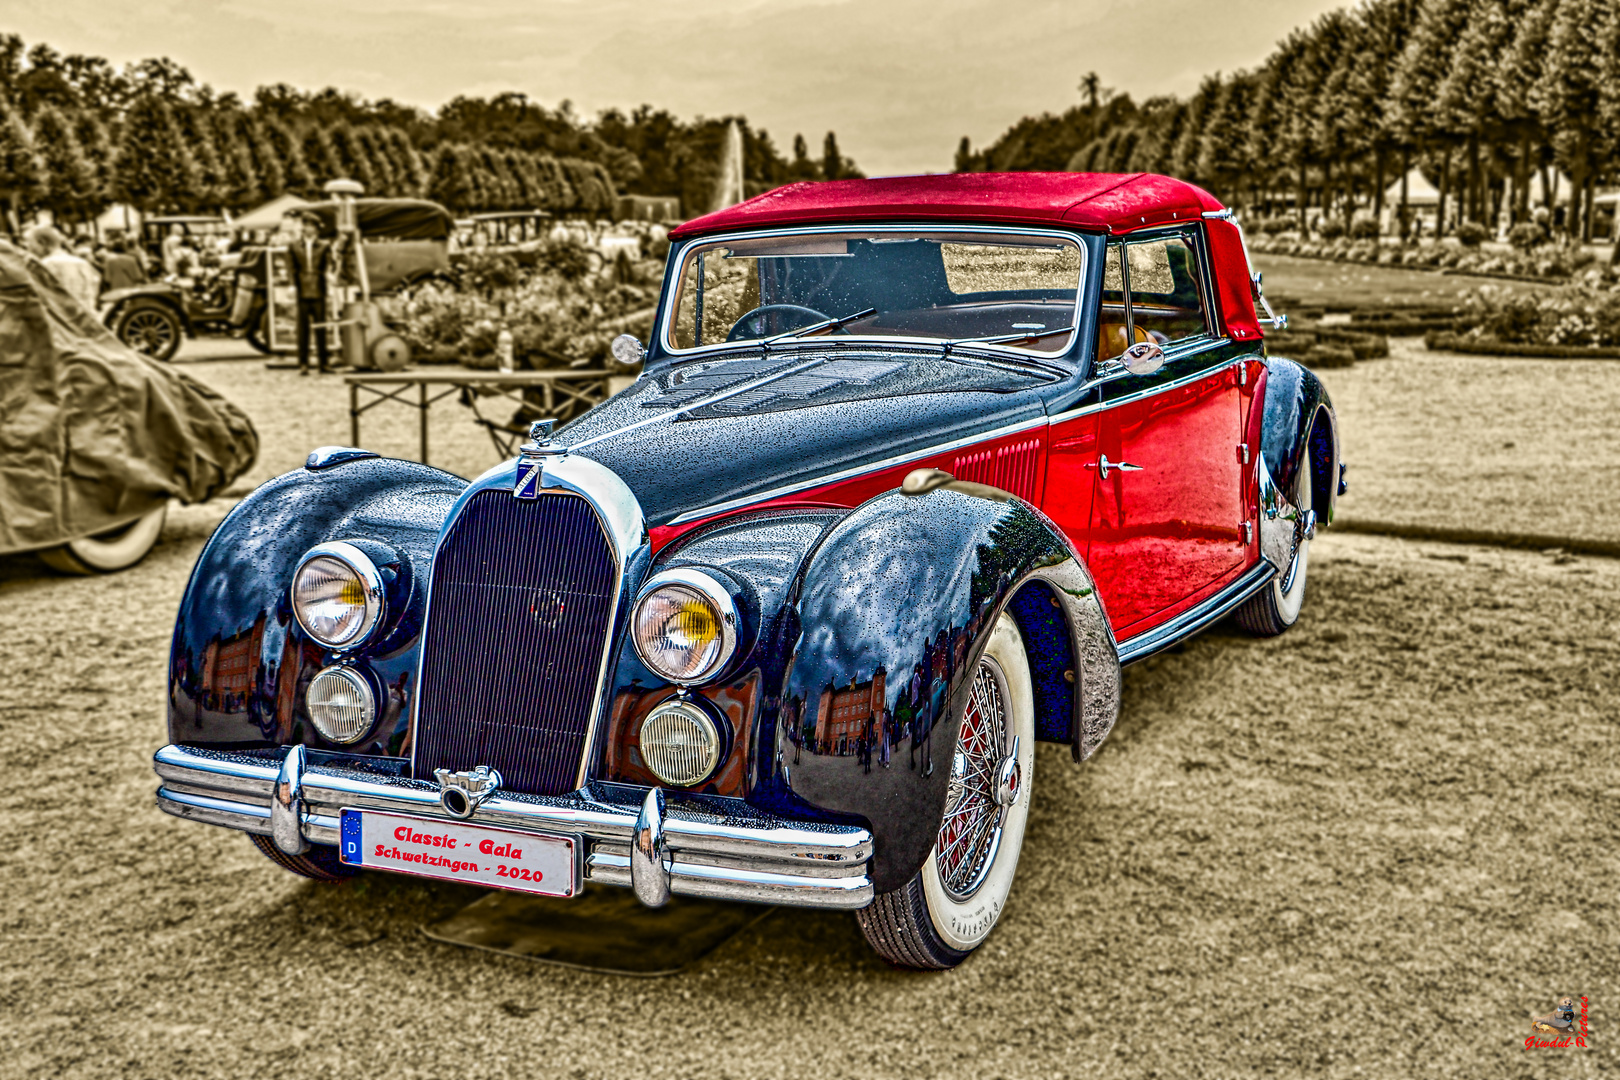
(1166,522)
(1167,517)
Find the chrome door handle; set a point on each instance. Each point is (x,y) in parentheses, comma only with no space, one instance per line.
(1123,466)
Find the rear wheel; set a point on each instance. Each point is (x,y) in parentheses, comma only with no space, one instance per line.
(1276,607)
(111,551)
(319,863)
(940,916)
(150,328)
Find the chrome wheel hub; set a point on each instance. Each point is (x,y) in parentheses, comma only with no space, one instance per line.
(984,781)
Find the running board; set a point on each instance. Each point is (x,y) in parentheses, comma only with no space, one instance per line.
(1196,618)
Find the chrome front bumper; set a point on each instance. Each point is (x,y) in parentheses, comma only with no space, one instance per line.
(678,847)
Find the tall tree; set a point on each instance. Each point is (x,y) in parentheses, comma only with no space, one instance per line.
(1567,97)
(70,192)
(98,151)
(22,177)
(350,157)
(832,161)
(288,152)
(153,170)
(319,160)
(211,188)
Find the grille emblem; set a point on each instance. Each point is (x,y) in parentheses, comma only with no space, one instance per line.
(529,472)
(461,792)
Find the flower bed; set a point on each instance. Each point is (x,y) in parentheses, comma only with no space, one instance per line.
(1572,322)
(1555,262)
(562,312)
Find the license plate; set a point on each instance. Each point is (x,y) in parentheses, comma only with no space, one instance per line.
(453,851)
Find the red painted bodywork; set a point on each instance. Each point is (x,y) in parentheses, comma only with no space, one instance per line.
(1157,541)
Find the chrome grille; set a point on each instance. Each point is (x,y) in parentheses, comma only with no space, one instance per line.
(518,620)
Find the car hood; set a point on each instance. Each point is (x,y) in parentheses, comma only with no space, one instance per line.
(843,410)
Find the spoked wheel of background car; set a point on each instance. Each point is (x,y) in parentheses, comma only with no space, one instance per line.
(150,328)
(1276,607)
(947,910)
(109,552)
(319,862)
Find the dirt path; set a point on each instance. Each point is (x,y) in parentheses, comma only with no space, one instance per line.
(1372,847)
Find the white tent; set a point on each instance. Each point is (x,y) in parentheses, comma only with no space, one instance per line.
(1419,192)
(118,217)
(268,217)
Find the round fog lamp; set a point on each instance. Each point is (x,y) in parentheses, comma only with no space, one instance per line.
(340,704)
(685,626)
(337,595)
(680,744)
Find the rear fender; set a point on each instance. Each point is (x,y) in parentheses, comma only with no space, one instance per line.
(239,661)
(905,592)
(1299,443)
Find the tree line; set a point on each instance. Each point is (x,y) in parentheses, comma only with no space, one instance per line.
(78,135)
(1478,94)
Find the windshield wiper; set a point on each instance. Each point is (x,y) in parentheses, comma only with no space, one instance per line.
(1010,339)
(815,328)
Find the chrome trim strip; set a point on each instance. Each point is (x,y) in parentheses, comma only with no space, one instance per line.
(671,299)
(763,859)
(1185,380)
(857,470)
(619,515)
(1198,617)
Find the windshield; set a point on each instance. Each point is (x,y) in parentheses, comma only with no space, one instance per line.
(932,284)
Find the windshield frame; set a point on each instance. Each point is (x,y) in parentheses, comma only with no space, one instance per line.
(665,343)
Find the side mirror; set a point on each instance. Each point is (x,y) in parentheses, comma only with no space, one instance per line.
(627,350)
(1143,358)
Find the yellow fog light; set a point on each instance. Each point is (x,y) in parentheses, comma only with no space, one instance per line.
(337,595)
(685,626)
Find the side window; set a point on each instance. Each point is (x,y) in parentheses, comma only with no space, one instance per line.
(1156,294)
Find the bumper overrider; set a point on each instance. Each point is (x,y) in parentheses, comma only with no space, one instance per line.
(662,848)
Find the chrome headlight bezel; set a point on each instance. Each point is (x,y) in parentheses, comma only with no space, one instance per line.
(372,588)
(707,588)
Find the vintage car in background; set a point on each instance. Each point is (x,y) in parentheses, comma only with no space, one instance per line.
(914,466)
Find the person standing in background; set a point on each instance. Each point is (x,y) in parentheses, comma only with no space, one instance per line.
(78,277)
(311,259)
(123,270)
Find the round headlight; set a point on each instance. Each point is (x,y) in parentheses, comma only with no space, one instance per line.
(337,595)
(685,626)
(680,744)
(341,705)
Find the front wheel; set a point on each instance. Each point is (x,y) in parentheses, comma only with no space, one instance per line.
(940,916)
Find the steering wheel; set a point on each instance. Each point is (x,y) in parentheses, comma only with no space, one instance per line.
(752,325)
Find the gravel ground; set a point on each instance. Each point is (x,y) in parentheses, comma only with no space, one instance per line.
(1372,847)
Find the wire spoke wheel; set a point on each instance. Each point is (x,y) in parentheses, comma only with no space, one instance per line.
(953,902)
(150,330)
(972,826)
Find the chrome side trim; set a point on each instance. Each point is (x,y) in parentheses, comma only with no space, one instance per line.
(1196,618)
(620,517)
(857,470)
(1185,380)
(759,858)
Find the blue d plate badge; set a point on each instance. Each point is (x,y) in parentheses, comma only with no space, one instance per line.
(454,851)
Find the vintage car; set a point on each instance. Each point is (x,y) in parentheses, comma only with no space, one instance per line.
(914,466)
(153,318)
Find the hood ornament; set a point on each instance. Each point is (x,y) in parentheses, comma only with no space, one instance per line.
(531,465)
(460,793)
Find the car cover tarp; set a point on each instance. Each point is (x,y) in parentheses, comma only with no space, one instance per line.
(93,434)
(391,219)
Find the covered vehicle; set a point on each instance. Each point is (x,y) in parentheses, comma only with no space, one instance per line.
(95,439)
(914,466)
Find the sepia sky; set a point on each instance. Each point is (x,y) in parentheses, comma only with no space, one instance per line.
(901,81)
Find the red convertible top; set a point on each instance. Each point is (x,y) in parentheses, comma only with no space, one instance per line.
(1098,202)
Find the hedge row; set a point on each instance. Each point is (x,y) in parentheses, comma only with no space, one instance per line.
(1467,343)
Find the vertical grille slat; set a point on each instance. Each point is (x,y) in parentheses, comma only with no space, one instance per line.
(520,611)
